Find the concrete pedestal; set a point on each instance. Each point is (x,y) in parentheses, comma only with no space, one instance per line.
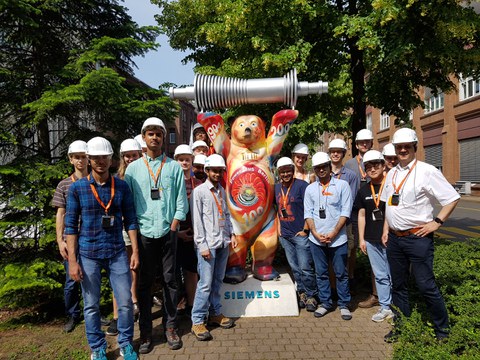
(254,298)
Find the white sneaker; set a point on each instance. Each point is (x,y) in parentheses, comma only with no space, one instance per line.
(382,314)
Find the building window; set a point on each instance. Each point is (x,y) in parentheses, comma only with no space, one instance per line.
(171,136)
(384,121)
(433,102)
(369,121)
(469,87)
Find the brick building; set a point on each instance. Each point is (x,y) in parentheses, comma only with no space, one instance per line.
(448,130)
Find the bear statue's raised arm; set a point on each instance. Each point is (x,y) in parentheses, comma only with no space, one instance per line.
(281,122)
(214,125)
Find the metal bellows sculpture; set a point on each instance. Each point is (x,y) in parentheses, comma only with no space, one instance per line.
(216,92)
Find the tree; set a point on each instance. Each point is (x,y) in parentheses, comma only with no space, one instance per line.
(66,73)
(388,42)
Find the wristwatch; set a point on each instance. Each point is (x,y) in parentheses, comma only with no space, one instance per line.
(306,231)
(438,221)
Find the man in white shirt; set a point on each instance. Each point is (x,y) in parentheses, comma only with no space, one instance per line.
(409,191)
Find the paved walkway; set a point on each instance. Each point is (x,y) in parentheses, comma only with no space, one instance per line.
(302,337)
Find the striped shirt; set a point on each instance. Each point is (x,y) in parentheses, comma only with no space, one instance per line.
(94,241)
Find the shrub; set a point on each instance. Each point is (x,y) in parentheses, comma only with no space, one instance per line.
(457,271)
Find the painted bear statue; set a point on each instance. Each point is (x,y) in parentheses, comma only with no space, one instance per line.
(249,156)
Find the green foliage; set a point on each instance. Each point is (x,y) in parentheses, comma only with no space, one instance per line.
(30,283)
(399,45)
(457,271)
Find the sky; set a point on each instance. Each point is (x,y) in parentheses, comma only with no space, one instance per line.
(165,64)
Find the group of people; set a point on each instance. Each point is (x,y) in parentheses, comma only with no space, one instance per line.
(380,202)
(138,224)
(166,216)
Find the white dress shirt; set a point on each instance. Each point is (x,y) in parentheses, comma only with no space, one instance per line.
(424,184)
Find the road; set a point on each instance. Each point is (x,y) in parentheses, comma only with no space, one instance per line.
(464,223)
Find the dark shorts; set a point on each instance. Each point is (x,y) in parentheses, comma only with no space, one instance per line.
(186,256)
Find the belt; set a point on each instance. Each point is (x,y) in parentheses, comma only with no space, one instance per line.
(404,232)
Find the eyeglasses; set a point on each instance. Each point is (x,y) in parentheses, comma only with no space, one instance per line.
(373,165)
(404,146)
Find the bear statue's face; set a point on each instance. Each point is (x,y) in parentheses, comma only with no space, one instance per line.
(248,130)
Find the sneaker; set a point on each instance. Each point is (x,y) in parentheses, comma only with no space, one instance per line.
(391,337)
(156,301)
(128,353)
(311,304)
(220,320)
(99,354)
(136,309)
(173,340)
(369,302)
(112,328)
(70,324)
(201,332)
(302,300)
(382,314)
(145,346)
(346,314)
(321,311)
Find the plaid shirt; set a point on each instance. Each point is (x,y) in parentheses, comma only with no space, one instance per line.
(94,241)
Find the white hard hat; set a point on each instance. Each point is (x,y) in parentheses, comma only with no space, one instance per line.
(320,158)
(130,145)
(99,146)
(199,159)
(337,144)
(300,149)
(364,134)
(197,126)
(215,160)
(182,149)
(372,155)
(78,146)
(404,135)
(389,150)
(199,143)
(154,121)
(140,140)
(284,161)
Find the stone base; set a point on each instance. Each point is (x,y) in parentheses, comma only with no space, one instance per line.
(254,298)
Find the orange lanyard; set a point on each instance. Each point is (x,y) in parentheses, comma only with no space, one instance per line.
(376,197)
(397,190)
(362,173)
(285,197)
(73,178)
(325,188)
(112,194)
(156,176)
(218,202)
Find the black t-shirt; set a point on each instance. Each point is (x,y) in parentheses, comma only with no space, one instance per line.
(364,200)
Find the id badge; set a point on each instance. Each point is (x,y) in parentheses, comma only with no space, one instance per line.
(221,222)
(377,215)
(155,193)
(394,200)
(322,214)
(107,221)
(284,212)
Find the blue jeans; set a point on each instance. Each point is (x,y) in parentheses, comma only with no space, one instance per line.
(299,257)
(207,295)
(417,252)
(118,270)
(71,293)
(338,255)
(377,254)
